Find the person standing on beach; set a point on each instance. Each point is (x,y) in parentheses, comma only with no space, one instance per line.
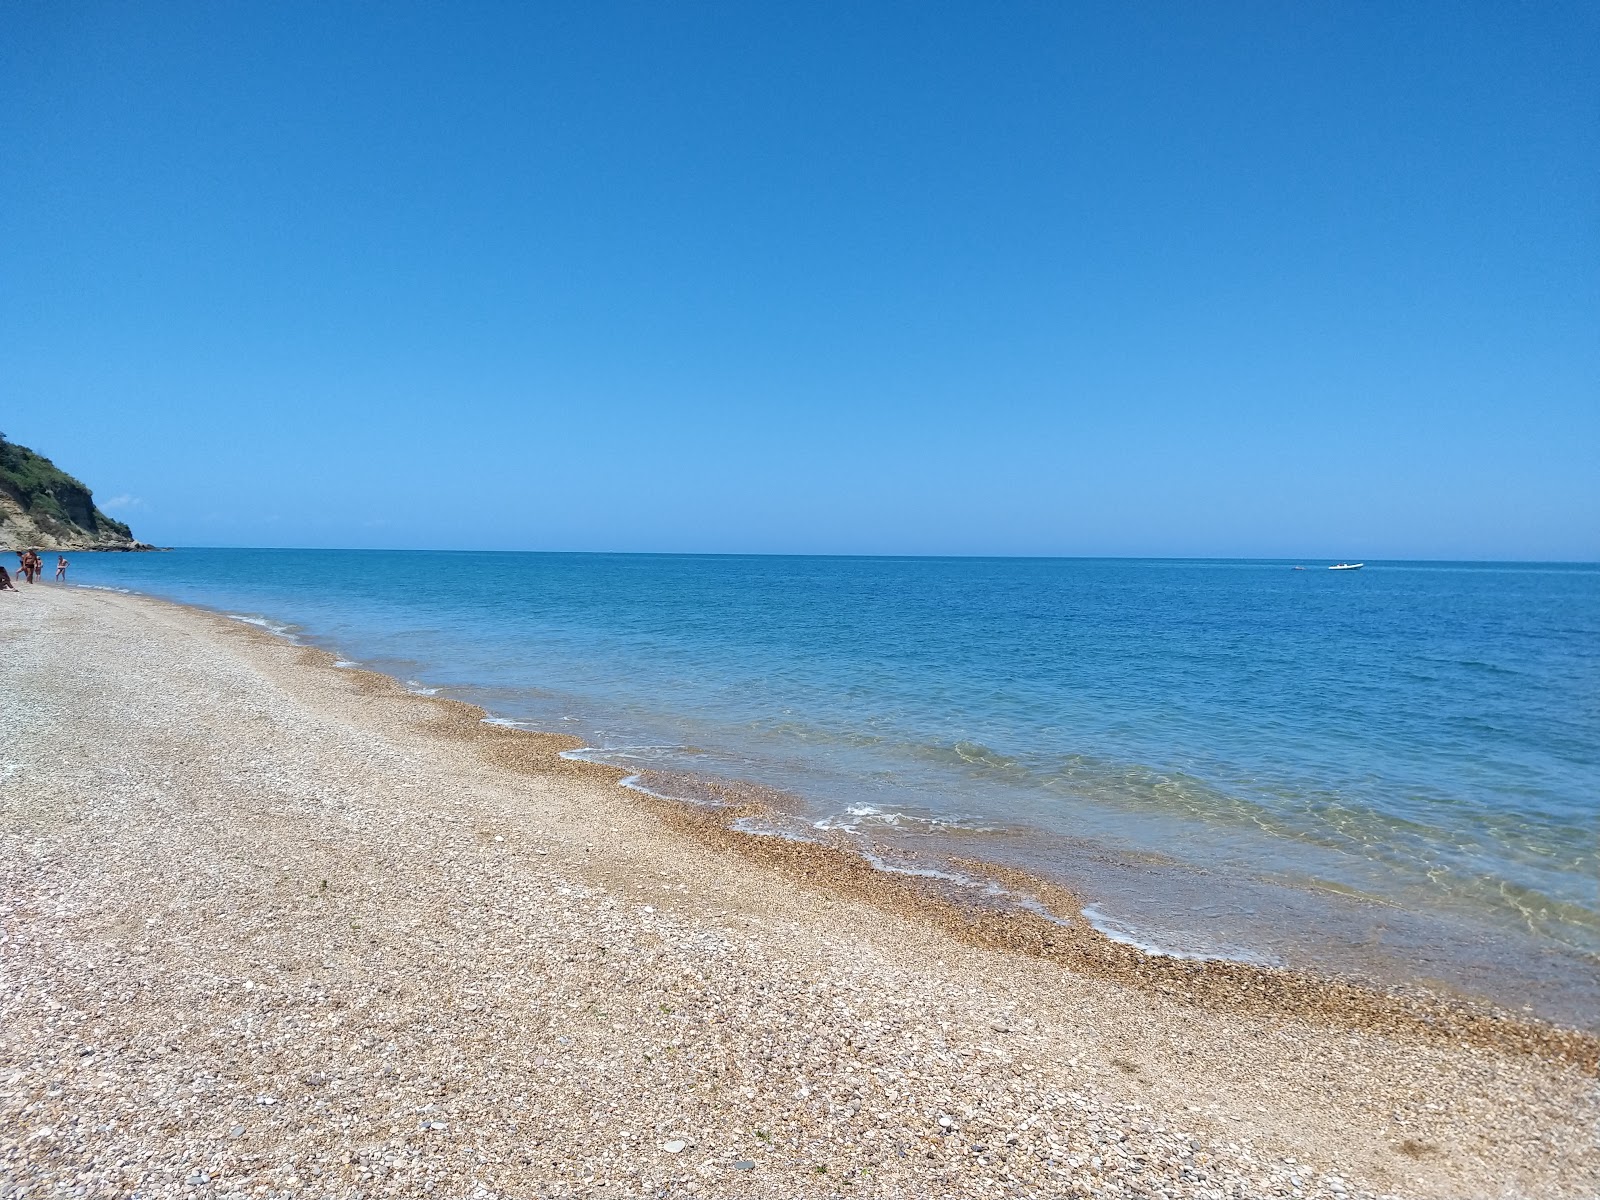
(24,565)
(61,568)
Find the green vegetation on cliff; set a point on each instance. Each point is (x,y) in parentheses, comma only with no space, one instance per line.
(61,507)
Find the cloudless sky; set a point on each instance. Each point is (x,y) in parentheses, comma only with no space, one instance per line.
(1252,279)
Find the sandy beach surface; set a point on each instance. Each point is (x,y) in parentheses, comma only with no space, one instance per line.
(273,928)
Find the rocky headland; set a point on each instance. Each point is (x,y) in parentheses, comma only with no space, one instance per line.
(44,508)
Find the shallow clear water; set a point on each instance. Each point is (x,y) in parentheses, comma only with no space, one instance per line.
(1392,771)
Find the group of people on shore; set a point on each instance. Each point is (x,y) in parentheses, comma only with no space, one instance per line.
(30,567)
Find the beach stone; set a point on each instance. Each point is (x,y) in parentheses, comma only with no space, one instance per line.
(245,776)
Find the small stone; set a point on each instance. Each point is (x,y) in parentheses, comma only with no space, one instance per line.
(946,1122)
(744,1164)
(675,1146)
(237,1131)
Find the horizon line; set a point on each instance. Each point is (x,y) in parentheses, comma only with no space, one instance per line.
(863,555)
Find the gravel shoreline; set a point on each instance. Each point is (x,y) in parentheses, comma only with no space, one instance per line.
(272,928)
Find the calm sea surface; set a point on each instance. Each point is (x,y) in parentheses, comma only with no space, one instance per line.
(1391,773)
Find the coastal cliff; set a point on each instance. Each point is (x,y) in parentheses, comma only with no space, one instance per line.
(43,507)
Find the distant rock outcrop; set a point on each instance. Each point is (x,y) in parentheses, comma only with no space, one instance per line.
(43,507)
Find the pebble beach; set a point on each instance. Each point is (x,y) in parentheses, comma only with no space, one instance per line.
(270,927)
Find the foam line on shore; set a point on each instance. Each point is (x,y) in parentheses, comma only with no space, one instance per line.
(1118,931)
(994,919)
(276,628)
(399,910)
(1056,930)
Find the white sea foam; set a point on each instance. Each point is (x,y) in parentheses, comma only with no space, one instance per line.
(102,587)
(417,688)
(1021,900)
(276,628)
(345,662)
(633,784)
(853,818)
(508,723)
(882,864)
(986,887)
(755,826)
(858,814)
(591,754)
(605,755)
(1147,943)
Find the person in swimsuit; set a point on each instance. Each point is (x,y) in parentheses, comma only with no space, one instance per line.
(5,581)
(23,564)
(61,568)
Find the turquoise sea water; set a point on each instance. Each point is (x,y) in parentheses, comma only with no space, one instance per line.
(1392,773)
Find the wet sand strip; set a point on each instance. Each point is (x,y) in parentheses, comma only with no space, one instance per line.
(1065,937)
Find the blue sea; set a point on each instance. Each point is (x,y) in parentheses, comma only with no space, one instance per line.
(1390,774)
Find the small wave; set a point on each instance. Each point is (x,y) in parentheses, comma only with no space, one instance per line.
(1034,906)
(276,628)
(508,723)
(985,887)
(103,587)
(1146,943)
(759,828)
(635,783)
(852,818)
(604,754)
(345,663)
(417,688)
(870,816)
(881,864)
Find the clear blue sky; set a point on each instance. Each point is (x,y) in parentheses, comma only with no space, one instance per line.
(1190,279)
